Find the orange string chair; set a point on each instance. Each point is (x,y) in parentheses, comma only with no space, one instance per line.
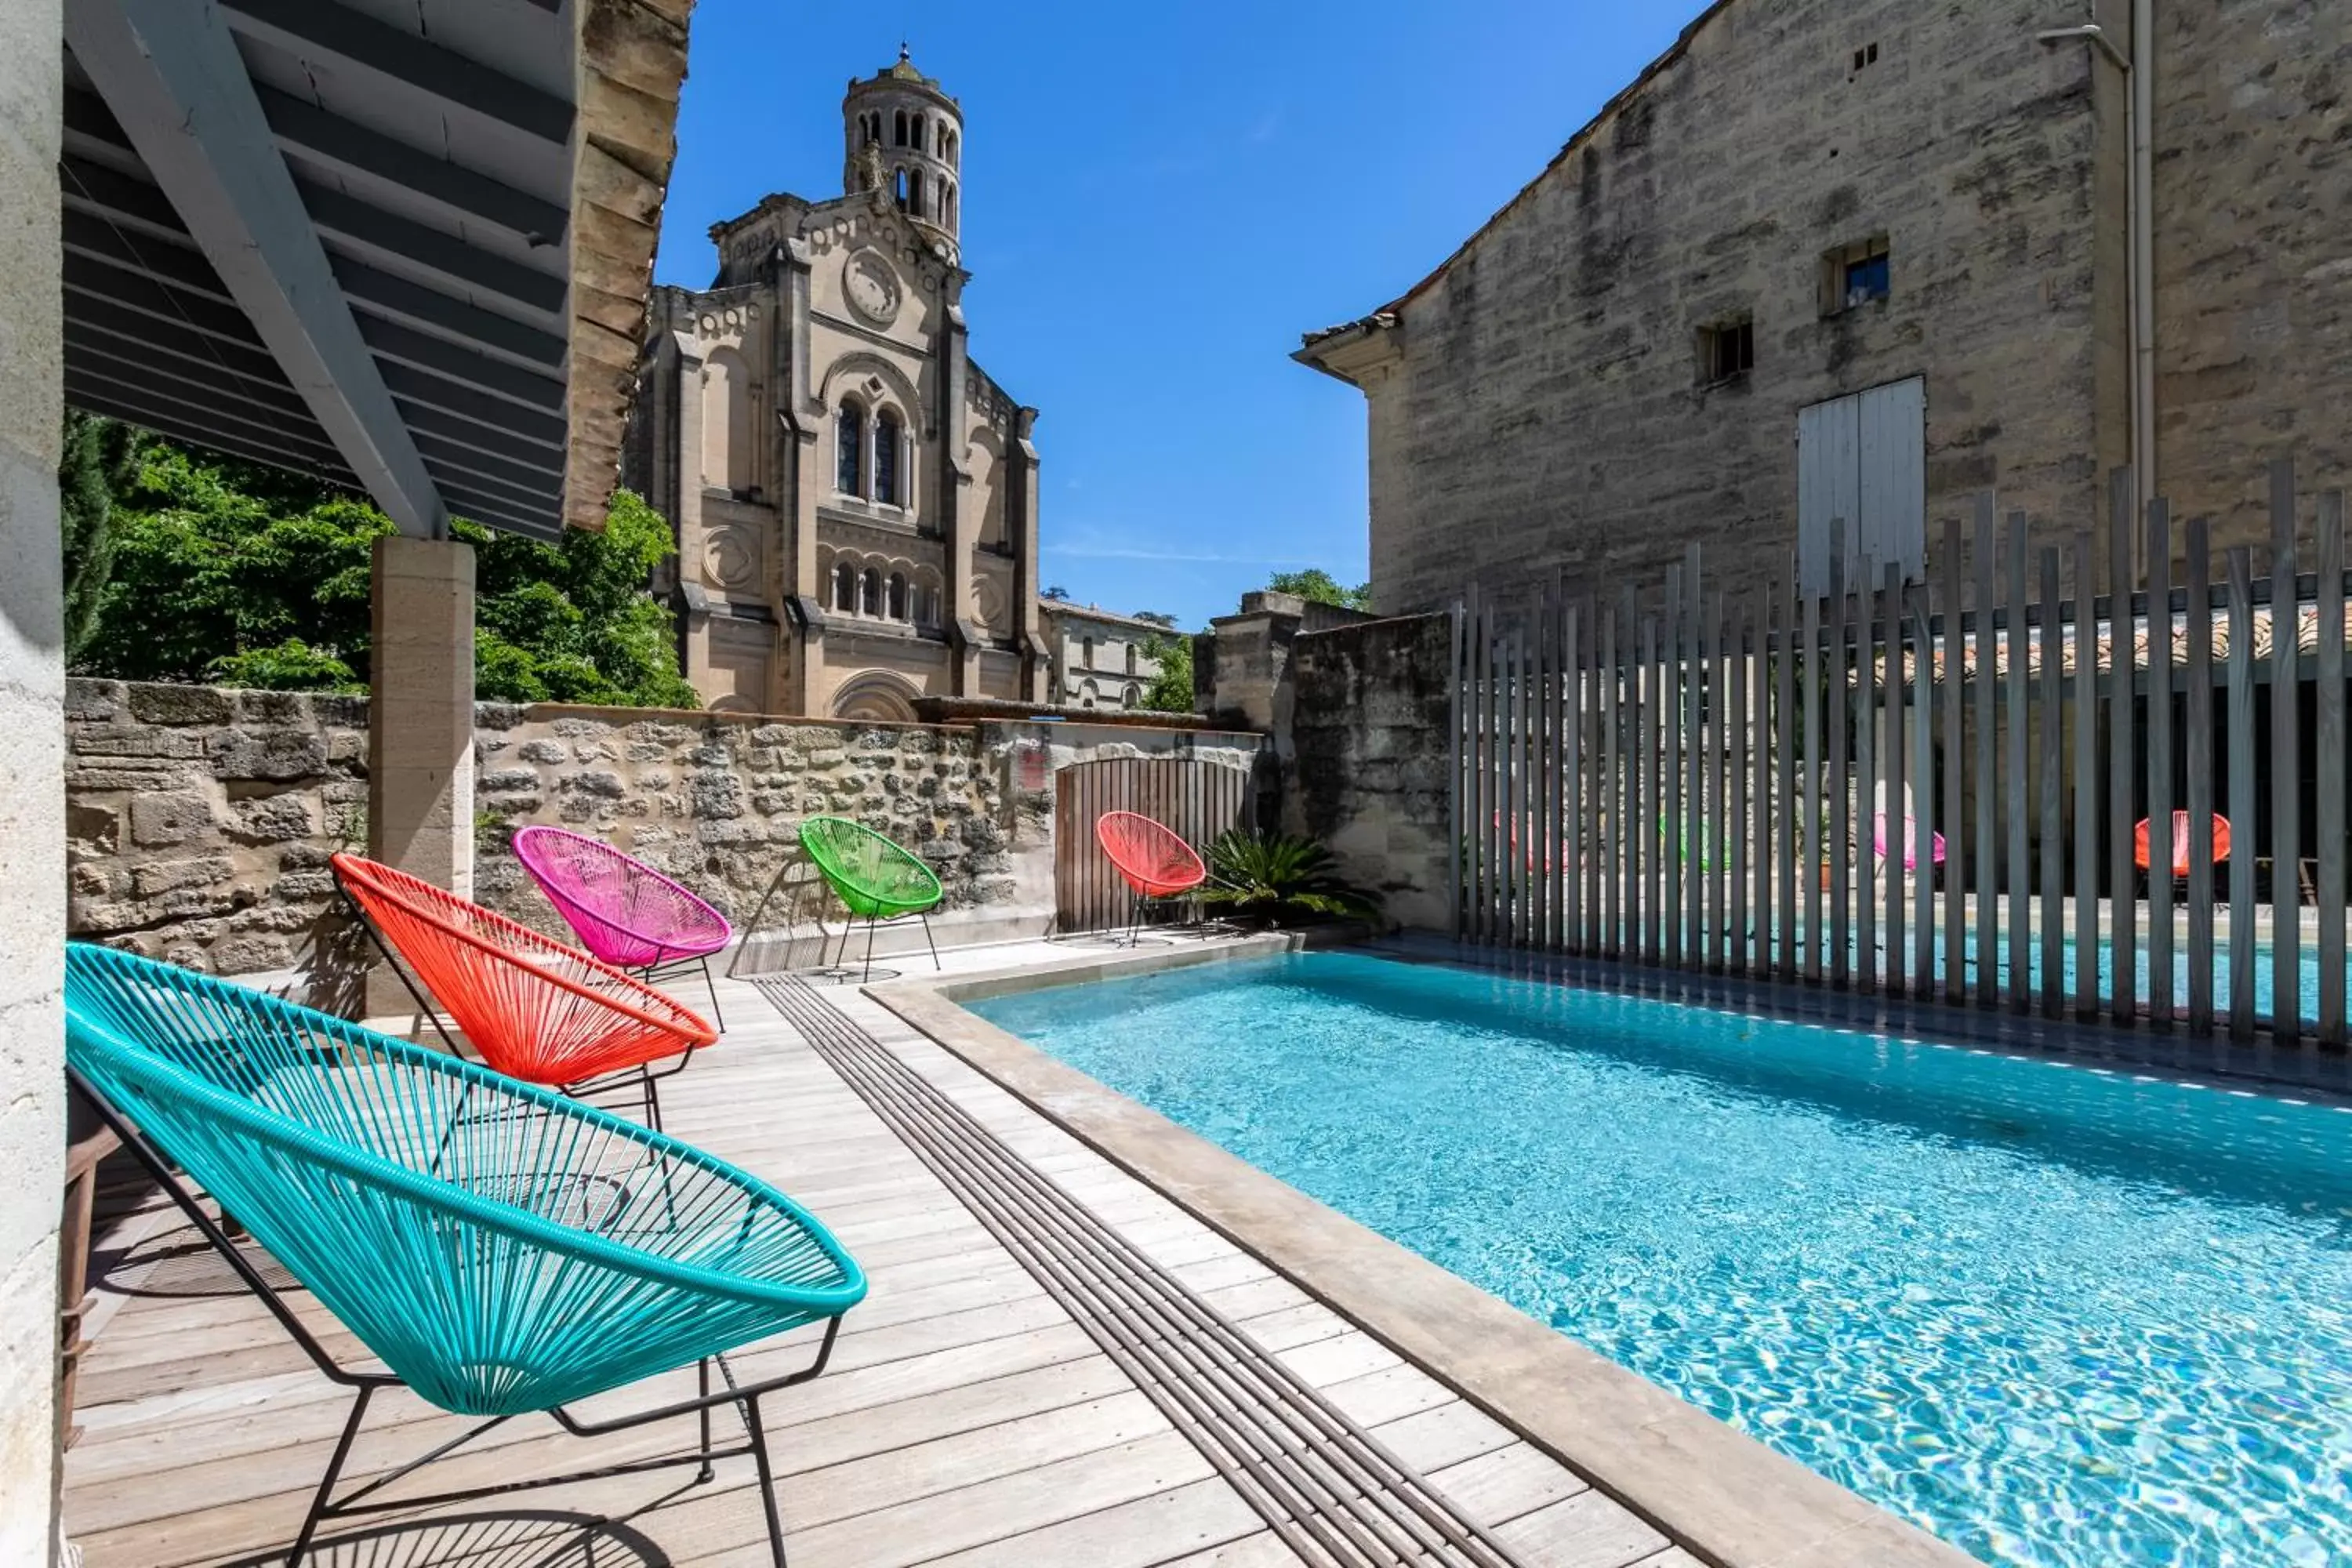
(2180,843)
(1154,862)
(533,1007)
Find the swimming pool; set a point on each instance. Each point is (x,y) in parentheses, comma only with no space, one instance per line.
(2061,1316)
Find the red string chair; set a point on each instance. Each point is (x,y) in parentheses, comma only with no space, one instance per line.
(533,1007)
(2180,843)
(1153,859)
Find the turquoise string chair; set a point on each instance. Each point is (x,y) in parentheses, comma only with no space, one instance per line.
(501,1250)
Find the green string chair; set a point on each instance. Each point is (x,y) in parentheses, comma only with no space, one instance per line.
(876,878)
(501,1249)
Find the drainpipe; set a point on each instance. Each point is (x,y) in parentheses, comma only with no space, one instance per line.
(2138,69)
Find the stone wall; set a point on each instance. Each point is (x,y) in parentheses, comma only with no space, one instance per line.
(1545,408)
(1368,754)
(201,821)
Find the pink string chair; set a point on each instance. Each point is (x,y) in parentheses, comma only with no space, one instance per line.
(623,911)
(1153,859)
(1911,841)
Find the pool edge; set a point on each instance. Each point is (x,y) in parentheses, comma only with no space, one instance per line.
(1718,1493)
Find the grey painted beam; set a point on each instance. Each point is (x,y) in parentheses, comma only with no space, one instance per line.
(246,360)
(172,75)
(203,386)
(143,292)
(318,27)
(352,223)
(462,362)
(309,130)
(379,290)
(98,396)
(508,423)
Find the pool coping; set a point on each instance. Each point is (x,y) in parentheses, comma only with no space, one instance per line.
(1720,1494)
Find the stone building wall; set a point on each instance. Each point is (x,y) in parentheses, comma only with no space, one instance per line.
(1540,404)
(2254,182)
(1367,751)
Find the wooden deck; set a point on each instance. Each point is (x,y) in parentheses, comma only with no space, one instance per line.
(965,1418)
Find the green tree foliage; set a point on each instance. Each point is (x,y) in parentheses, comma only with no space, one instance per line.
(1171,690)
(245,577)
(1157,618)
(100,458)
(1319,587)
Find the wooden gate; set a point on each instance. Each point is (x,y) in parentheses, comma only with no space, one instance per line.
(1196,799)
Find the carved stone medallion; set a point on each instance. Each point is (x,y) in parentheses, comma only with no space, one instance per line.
(871,285)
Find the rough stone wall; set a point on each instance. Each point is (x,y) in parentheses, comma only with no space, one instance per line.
(2254,182)
(200,822)
(717,801)
(1549,401)
(1368,756)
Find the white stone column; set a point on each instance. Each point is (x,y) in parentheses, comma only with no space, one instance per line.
(32,777)
(421,722)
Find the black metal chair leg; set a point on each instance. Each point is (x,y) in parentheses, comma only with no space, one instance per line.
(702,1370)
(929,943)
(867,974)
(712,986)
(758,1432)
(319,1501)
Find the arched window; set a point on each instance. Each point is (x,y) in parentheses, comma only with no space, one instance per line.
(955,145)
(898,129)
(899,188)
(1086,654)
(845,588)
(869,592)
(915,194)
(849,444)
(917,126)
(885,459)
(899,610)
(1130,698)
(947,205)
(1130,661)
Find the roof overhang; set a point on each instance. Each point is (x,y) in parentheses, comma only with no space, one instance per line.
(404,246)
(1354,353)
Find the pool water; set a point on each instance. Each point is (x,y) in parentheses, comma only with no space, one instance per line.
(2058,1315)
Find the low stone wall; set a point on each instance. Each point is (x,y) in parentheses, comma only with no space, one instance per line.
(203,820)
(200,822)
(1367,754)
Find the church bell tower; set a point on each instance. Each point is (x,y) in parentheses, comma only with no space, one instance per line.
(902,134)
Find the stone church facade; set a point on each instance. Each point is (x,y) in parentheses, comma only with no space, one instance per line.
(854,500)
(1840,268)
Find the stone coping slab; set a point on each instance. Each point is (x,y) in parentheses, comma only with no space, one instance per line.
(1721,1494)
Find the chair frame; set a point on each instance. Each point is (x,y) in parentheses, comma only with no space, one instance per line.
(645,1077)
(326,1507)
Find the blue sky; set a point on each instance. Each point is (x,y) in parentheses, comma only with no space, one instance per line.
(1158,201)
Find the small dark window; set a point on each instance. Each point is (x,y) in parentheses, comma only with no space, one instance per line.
(869,592)
(885,459)
(898,129)
(1725,351)
(1863,58)
(1869,279)
(899,188)
(1857,275)
(898,598)
(849,449)
(845,588)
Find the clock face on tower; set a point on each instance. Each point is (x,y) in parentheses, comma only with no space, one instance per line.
(872,286)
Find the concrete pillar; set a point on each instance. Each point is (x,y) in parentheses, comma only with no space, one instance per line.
(32,777)
(421,722)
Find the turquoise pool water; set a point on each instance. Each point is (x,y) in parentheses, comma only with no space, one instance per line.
(2061,1316)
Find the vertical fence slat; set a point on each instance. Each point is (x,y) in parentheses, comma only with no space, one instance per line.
(1516,847)
(1859,708)
(2054,776)
(1608,891)
(1692,690)
(2159,761)
(1808,809)
(1841,834)
(2020,648)
(1891,856)
(1738,844)
(1988,678)
(1922,772)
(1569,810)
(1719,767)
(1587,810)
(1488,813)
(1952,815)
(2123,914)
(2086,777)
(2241,793)
(1785,829)
(2328,762)
(2287,778)
(2197,745)
(1645,823)
(1664,830)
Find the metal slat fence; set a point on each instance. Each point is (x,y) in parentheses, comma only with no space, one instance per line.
(1936,787)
